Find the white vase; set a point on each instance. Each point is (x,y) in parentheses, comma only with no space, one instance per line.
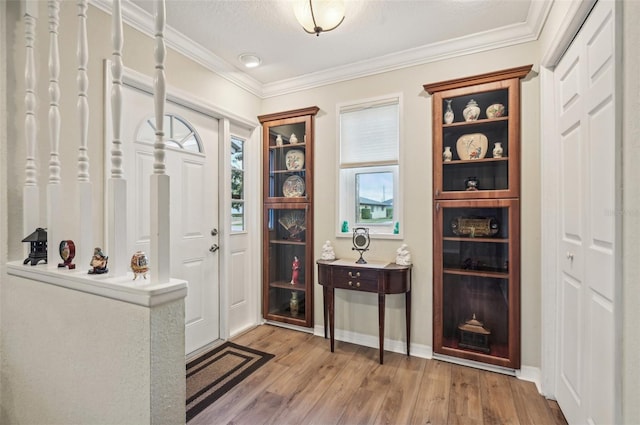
(472,111)
(447,155)
(278,140)
(448,114)
(293,139)
(497,150)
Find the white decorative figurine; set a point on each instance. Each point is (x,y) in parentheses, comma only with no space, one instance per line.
(327,251)
(403,257)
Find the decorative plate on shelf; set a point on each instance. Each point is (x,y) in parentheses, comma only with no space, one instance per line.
(293,187)
(294,159)
(472,146)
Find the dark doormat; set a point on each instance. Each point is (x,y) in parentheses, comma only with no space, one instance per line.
(215,372)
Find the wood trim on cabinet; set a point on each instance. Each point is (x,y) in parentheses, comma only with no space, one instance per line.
(311,110)
(489,77)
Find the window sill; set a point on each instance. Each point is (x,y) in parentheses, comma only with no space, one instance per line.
(373,236)
(139,292)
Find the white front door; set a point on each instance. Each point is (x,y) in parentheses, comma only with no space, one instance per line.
(585,91)
(191,163)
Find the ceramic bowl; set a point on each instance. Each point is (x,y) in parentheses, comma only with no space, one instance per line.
(495,111)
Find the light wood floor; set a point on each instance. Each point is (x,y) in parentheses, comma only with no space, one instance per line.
(307,384)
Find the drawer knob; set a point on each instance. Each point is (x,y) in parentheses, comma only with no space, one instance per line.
(351,274)
(358,284)
(350,283)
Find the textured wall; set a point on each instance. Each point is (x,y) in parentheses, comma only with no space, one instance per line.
(70,357)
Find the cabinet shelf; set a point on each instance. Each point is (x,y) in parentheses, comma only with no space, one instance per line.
(476,122)
(292,172)
(283,284)
(289,146)
(474,161)
(281,242)
(478,273)
(474,240)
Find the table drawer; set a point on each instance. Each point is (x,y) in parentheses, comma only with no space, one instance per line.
(355,278)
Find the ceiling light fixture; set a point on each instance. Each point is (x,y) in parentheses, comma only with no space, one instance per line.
(318,16)
(249,60)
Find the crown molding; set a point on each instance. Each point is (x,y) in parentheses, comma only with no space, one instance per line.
(489,40)
(144,22)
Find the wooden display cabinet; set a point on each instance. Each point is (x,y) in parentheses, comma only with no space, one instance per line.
(287,261)
(498,176)
(476,227)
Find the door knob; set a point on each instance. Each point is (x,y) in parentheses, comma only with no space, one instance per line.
(214,247)
(214,232)
(570,256)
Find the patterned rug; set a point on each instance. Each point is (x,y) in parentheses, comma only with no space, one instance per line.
(215,372)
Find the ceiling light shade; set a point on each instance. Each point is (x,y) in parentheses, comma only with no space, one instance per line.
(249,60)
(318,16)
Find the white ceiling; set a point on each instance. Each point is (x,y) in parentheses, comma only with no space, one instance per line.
(376,36)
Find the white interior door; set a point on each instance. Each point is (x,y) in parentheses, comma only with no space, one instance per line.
(585,91)
(191,162)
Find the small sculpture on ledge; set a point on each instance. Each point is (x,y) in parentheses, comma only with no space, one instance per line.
(67,251)
(139,264)
(295,270)
(403,256)
(327,251)
(98,262)
(38,246)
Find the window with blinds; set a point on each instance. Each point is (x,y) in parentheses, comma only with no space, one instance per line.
(369,167)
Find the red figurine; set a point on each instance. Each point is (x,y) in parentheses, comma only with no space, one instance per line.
(295,270)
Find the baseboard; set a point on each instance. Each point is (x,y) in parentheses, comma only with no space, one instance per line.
(531,374)
(392,345)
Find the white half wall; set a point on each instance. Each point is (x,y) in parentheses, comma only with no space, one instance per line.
(74,357)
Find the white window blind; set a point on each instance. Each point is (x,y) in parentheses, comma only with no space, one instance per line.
(369,135)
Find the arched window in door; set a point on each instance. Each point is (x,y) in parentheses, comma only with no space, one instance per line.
(178,133)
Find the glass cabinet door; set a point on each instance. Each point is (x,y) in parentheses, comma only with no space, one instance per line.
(476,280)
(288,161)
(287,274)
(476,137)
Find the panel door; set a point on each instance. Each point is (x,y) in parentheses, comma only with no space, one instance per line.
(194,204)
(584,84)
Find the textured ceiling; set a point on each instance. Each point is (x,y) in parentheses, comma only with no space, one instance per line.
(372,30)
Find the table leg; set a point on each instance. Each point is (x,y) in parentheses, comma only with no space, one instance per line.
(381,307)
(324,309)
(331,316)
(407,318)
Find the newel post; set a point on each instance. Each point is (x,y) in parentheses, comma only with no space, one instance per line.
(117,185)
(160,256)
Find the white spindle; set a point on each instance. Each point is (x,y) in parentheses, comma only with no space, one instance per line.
(117,185)
(54,92)
(54,190)
(31,196)
(31,101)
(116,90)
(84,237)
(83,86)
(160,193)
(159,89)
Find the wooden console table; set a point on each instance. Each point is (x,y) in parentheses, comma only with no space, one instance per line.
(378,278)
